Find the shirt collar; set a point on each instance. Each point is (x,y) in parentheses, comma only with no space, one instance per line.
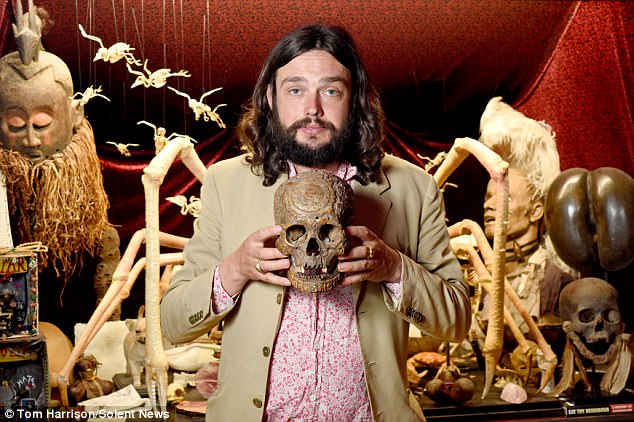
(346,171)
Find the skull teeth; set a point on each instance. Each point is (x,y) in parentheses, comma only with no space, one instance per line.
(312,271)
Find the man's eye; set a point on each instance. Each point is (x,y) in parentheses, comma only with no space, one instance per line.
(294,91)
(331,92)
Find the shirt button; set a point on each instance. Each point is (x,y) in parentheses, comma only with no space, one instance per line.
(266,351)
(312,397)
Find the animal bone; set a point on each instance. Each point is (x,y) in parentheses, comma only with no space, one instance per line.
(125,275)
(490,257)
(498,170)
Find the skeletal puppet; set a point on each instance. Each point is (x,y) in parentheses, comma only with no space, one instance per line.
(89,94)
(156,79)
(113,53)
(123,148)
(433,162)
(160,140)
(192,207)
(201,109)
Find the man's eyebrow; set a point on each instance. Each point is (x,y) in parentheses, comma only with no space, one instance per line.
(333,79)
(328,79)
(292,79)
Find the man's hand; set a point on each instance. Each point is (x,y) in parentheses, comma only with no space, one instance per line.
(369,258)
(257,258)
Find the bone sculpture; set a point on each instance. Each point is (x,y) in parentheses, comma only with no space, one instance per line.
(313,208)
(153,175)
(509,137)
(127,271)
(594,329)
(492,269)
(498,170)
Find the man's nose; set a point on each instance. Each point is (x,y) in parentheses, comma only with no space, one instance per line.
(313,105)
(32,138)
(489,203)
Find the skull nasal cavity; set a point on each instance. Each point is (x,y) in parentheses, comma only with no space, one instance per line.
(312,248)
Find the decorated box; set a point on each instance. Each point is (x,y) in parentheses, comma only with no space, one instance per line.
(18,295)
(24,374)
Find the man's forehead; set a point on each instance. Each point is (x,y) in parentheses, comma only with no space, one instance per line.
(311,64)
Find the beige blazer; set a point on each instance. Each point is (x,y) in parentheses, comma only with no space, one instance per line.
(404,207)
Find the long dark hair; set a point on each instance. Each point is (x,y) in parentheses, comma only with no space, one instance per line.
(366,119)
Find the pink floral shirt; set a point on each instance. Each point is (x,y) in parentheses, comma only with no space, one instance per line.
(316,369)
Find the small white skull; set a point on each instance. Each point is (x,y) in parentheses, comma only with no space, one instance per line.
(592,320)
(313,208)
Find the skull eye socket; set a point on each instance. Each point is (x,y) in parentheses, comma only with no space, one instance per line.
(295,232)
(586,316)
(612,315)
(329,233)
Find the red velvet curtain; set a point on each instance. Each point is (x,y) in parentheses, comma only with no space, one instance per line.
(435,63)
(586,90)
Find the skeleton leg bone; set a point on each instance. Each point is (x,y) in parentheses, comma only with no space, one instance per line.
(498,171)
(124,278)
(153,174)
(469,227)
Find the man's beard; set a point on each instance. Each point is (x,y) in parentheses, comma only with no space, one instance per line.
(60,201)
(292,150)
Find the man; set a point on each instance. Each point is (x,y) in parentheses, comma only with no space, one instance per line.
(341,354)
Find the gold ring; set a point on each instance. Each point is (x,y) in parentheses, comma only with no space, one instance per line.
(370,251)
(258,267)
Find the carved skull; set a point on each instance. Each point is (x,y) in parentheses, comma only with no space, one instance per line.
(592,320)
(313,208)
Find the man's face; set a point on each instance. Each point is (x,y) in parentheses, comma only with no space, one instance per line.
(312,98)
(522,213)
(35,116)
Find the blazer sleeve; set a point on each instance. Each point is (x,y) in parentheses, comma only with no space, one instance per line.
(434,296)
(186,311)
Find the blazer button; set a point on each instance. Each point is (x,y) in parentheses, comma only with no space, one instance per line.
(257,403)
(266,351)
(279,298)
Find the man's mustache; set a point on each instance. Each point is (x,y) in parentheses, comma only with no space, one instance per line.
(292,129)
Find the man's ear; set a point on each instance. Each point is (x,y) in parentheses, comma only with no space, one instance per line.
(269,95)
(537,212)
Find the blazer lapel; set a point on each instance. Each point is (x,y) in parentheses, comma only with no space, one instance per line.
(371,207)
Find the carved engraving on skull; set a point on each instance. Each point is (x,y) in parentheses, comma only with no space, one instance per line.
(592,320)
(313,208)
